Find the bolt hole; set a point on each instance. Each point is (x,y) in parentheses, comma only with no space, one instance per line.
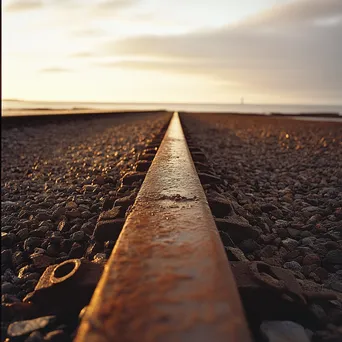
(64,270)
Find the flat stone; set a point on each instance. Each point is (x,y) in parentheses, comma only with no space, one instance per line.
(131,177)
(283,331)
(237,228)
(336,285)
(293,266)
(268,207)
(77,236)
(126,201)
(22,328)
(235,254)
(219,205)
(290,244)
(207,178)
(293,232)
(112,214)
(108,230)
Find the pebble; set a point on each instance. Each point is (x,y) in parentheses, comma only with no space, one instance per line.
(31,243)
(235,254)
(290,244)
(77,236)
(334,257)
(311,259)
(22,328)
(7,288)
(6,257)
(283,331)
(41,261)
(308,241)
(23,234)
(293,266)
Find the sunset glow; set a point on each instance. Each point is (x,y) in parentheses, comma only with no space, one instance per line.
(267,51)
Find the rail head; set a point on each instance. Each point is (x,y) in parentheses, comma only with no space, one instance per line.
(168,277)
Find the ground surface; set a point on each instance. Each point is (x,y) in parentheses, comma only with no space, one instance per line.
(285,178)
(54,181)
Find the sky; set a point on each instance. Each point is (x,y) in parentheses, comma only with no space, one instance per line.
(266,51)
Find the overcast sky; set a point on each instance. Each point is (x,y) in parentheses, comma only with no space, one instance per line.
(267,51)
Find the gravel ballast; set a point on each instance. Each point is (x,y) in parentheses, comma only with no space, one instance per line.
(56,179)
(281,180)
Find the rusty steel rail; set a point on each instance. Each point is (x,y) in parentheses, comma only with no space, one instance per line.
(168,277)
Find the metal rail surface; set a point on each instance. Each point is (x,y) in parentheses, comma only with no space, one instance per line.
(168,277)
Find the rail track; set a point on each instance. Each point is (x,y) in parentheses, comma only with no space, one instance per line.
(169,276)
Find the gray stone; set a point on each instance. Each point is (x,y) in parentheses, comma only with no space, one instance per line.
(333,257)
(290,244)
(293,266)
(283,331)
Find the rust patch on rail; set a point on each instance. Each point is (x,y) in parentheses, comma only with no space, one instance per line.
(168,278)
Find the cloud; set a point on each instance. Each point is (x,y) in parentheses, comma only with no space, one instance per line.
(89,32)
(281,50)
(84,54)
(54,70)
(23,5)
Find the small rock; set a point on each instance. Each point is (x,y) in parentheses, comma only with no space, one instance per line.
(333,257)
(108,230)
(311,259)
(7,239)
(290,244)
(18,258)
(268,207)
(22,328)
(293,266)
(57,336)
(99,180)
(73,213)
(268,251)
(235,254)
(219,205)
(321,273)
(89,188)
(71,205)
(100,257)
(77,236)
(293,232)
(31,243)
(7,287)
(249,246)
(6,257)
(88,228)
(283,331)
(336,285)
(237,228)
(41,260)
(35,336)
(43,216)
(23,234)
(76,251)
(308,241)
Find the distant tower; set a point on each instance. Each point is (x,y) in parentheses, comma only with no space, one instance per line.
(242,100)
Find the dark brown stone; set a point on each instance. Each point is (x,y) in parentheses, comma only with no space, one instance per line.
(108,230)
(237,228)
